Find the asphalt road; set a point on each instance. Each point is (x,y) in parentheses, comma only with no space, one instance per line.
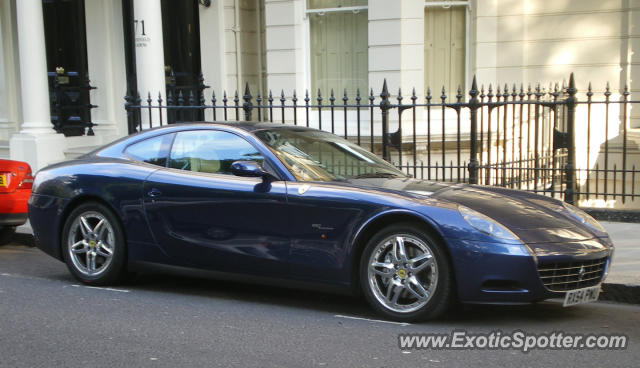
(47,319)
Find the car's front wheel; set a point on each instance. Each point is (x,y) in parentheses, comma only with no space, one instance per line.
(405,274)
(93,245)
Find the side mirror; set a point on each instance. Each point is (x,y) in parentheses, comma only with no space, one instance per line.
(249,169)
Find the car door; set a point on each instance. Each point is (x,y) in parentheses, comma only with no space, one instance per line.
(324,217)
(204,216)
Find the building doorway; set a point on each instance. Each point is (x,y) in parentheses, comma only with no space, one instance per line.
(181,34)
(67,69)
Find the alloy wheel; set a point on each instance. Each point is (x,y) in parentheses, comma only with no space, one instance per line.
(402,273)
(91,243)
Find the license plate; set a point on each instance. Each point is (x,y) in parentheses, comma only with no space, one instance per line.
(3,181)
(580,296)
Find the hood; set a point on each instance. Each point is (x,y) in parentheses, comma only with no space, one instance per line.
(416,186)
(532,217)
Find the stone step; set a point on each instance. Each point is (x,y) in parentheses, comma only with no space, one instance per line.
(75,152)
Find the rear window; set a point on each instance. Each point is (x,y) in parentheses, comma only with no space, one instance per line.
(153,150)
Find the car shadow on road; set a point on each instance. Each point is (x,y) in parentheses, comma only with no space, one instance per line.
(23,239)
(467,315)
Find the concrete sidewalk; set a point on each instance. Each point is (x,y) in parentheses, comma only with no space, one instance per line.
(625,268)
(623,282)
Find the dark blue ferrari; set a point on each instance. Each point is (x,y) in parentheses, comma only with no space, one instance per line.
(286,204)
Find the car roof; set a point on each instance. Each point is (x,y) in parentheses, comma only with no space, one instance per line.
(116,148)
(249,126)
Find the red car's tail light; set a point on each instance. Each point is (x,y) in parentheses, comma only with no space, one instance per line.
(26,182)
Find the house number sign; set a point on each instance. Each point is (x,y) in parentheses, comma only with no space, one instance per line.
(142,40)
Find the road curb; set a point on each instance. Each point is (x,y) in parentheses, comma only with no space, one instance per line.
(614,215)
(621,293)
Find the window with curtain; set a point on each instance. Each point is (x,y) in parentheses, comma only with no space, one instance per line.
(444,48)
(338,47)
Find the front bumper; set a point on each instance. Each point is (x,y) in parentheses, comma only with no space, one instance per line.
(504,274)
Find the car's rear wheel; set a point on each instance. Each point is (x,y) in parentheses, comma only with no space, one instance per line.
(6,233)
(93,245)
(405,274)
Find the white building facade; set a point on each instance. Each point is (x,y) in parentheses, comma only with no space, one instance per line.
(160,46)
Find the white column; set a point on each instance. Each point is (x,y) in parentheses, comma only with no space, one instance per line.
(11,116)
(33,68)
(37,142)
(212,46)
(150,55)
(485,33)
(285,46)
(396,54)
(105,54)
(4,120)
(396,45)
(213,50)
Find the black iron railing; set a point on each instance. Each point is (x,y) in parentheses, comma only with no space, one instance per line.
(514,137)
(176,93)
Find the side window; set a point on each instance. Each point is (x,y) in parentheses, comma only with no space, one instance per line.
(153,150)
(210,151)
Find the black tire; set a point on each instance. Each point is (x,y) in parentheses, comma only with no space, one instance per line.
(6,233)
(113,271)
(440,298)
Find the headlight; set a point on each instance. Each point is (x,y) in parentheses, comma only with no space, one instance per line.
(584,217)
(485,224)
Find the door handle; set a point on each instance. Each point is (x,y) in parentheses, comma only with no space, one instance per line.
(154,193)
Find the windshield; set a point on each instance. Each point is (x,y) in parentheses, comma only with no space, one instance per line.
(313,155)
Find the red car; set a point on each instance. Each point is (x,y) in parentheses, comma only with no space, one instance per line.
(16,180)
